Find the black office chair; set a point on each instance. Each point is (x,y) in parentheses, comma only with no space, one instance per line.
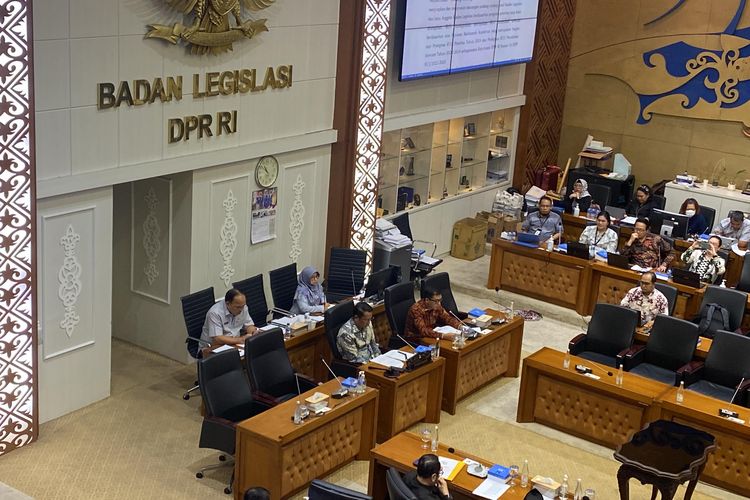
(610,333)
(442,283)
(397,489)
(401,221)
(270,372)
(710,215)
(670,347)
(334,319)
(283,286)
(659,201)
(670,293)
(398,299)
(195,306)
(346,273)
(419,268)
(322,490)
(720,376)
(744,283)
(600,194)
(228,399)
(255,296)
(734,301)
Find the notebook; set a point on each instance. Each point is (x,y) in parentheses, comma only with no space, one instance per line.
(528,240)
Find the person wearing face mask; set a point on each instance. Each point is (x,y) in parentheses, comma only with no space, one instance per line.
(642,204)
(646,249)
(600,235)
(580,196)
(427,482)
(705,263)
(697,223)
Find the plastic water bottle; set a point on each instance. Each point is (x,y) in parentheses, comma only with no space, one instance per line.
(298,413)
(566,363)
(578,495)
(564,487)
(680,396)
(361,382)
(550,244)
(435,440)
(620,376)
(592,251)
(576,209)
(525,474)
(512,310)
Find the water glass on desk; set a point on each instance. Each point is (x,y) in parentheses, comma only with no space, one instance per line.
(513,473)
(426,436)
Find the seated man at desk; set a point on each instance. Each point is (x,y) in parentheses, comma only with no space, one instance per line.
(426,482)
(646,299)
(228,321)
(705,263)
(425,315)
(356,339)
(544,222)
(646,249)
(735,226)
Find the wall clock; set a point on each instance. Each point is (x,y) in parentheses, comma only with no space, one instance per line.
(267,171)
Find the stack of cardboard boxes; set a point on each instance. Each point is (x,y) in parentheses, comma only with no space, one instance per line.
(471,234)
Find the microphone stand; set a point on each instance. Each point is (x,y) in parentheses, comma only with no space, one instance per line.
(338,393)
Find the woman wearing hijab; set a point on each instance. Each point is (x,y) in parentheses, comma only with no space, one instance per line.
(579,196)
(309,297)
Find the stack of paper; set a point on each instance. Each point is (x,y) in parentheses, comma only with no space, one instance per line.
(394,358)
(450,467)
(446,329)
(491,488)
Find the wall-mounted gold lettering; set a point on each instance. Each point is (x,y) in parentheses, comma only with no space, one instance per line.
(200,126)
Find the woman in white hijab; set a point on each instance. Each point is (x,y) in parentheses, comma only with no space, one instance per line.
(579,196)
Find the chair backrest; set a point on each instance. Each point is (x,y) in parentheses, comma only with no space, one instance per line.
(322,490)
(442,283)
(195,306)
(401,221)
(734,301)
(670,293)
(710,215)
(744,283)
(397,489)
(346,271)
(398,299)
(611,329)
(659,201)
(267,363)
(671,343)
(256,298)
(334,319)
(225,390)
(728,359)
(601,194)
(283,286)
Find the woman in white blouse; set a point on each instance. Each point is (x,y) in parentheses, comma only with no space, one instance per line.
(600,235)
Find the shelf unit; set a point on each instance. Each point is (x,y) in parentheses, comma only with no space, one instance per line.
(430,162)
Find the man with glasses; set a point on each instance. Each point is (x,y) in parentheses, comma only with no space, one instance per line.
(646,249)
(427,482)
(546,223)
(425,315)
(646,299)
(735,226)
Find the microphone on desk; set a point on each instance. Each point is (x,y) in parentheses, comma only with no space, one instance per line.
(731,401)
(586,367)
(338,393)
(354,286)
(283,312)
(405,342)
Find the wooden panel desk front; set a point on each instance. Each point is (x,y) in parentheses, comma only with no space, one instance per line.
(729,466)
(412,397)
(483,360)
(609,284)
(282,457)
(548,276)
(402,450)
(595,410)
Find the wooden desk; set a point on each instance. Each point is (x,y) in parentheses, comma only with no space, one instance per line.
(412,397)
(609,284)
(595,410)
(549,276)
(729,466)
(483,360)
(282,457)
(400,452)
(305,348)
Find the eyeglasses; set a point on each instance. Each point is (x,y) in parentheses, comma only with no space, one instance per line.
(436,301)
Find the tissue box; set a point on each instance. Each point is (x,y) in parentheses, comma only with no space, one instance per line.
(546,486)
(317,401)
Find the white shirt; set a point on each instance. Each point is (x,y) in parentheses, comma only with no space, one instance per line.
(607,241)
(219,321)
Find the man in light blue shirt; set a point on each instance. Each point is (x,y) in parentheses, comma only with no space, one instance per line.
(228,321)
(545,222)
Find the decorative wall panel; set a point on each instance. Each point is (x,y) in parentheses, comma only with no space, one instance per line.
(297,219)
(228,230)
(18,383)
(151,238)
(373,69)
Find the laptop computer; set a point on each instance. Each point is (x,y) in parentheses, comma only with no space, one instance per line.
(726,242)
(617,260)
(685,277)
(579,250)
(615,212)
(530,240)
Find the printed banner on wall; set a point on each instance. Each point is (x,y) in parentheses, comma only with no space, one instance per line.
(263,215)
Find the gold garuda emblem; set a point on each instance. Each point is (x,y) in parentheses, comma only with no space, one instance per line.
(211,31)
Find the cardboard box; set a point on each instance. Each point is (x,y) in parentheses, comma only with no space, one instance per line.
(469,236)
(494,224)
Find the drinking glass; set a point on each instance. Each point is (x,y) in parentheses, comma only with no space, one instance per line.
(426,438)
(513,473)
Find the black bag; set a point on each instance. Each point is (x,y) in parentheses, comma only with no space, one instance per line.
(713,318)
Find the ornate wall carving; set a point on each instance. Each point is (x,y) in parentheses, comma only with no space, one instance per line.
(228,239)
(151,238)
(297,219)
(151,235)
(18,405)
(69,277)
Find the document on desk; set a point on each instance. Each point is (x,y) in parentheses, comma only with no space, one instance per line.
(629,220)
(491,488)
(446,329)
(450,467)
(430,261)
(394,358)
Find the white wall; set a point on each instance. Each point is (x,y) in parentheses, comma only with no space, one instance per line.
(74,364)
